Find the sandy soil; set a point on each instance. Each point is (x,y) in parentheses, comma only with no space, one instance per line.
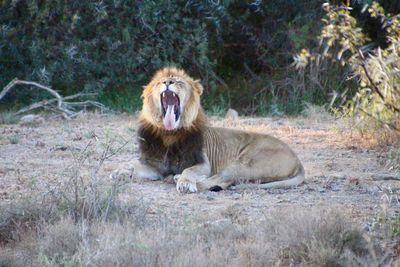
(341,171)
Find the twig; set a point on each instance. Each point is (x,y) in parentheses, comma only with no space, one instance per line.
(385,178)
(7,88)
(67,109)
(390,125)
(50,101)
(252,74)
(89,103)
(216,77)
(375,87)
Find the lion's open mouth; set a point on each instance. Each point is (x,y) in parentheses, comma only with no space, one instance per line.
(170,109)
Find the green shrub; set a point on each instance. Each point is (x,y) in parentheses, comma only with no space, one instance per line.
(7,117)
(376,103)
(113,47)
(242,51)
(99,46)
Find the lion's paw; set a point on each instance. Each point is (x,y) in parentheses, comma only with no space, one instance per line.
(184,185)
(176,178)
(122,174)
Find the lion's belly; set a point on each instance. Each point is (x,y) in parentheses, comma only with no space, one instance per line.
(251,154)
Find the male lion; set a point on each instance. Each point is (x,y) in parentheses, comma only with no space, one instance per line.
(174,140)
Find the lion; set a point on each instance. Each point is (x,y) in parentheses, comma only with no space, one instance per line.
(175,141)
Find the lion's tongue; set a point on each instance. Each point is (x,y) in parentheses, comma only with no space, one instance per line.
(169,118)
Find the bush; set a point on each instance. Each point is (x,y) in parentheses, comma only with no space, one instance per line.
(312,238)
(376,103)
(113,47)
(242,51)
(99,46)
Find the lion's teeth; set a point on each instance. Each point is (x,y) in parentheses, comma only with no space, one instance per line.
(163,94)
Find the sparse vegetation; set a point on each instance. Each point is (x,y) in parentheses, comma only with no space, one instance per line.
(316,112)
(238,49)
(77,216)
(393,158)
(376,103)
(8,118)
(58,206)
(14,139)
(306,238)
(395,226)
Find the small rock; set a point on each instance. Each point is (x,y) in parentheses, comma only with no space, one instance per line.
(77,138)
(236,196)
(231,114)
(210,198)
(40,144)
(59,148)
(31,120)
(151,210)
(354,181)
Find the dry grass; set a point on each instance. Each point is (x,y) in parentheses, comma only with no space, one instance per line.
(315,112)
(76,216)
(303,238)
(8,118)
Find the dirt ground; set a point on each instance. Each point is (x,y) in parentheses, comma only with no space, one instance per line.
(341,171)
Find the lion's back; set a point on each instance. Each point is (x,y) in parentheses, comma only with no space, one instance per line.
(224,146)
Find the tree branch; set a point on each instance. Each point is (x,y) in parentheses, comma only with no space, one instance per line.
(374,86)
(65,108)
(49,102)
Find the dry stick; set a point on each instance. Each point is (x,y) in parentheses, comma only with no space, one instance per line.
(216,77)
(89,103)
(376,89)
(66,112)
(385,178)
(66,108)
(8,87)
(50,101)
(252,74)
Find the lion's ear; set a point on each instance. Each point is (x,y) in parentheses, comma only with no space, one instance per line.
(198,87)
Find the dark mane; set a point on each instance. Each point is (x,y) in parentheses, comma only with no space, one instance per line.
(170,152)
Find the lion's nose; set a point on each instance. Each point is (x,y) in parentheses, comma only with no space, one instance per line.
(168,82)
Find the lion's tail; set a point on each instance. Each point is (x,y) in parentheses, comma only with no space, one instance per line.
(288,183)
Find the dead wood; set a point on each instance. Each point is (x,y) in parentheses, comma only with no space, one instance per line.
(58,104)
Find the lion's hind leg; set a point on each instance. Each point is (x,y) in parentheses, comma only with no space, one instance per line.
(288,183)
(215,183)
(231,175)
(241,175)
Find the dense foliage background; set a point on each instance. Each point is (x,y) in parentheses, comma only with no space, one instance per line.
(241,50)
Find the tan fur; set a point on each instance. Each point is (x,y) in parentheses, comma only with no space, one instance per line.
(151,98)
(230,157)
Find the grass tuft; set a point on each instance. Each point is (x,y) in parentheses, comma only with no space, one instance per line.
(302,238)
(8,118)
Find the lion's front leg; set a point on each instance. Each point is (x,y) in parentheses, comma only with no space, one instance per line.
(187,181)
(136,169)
